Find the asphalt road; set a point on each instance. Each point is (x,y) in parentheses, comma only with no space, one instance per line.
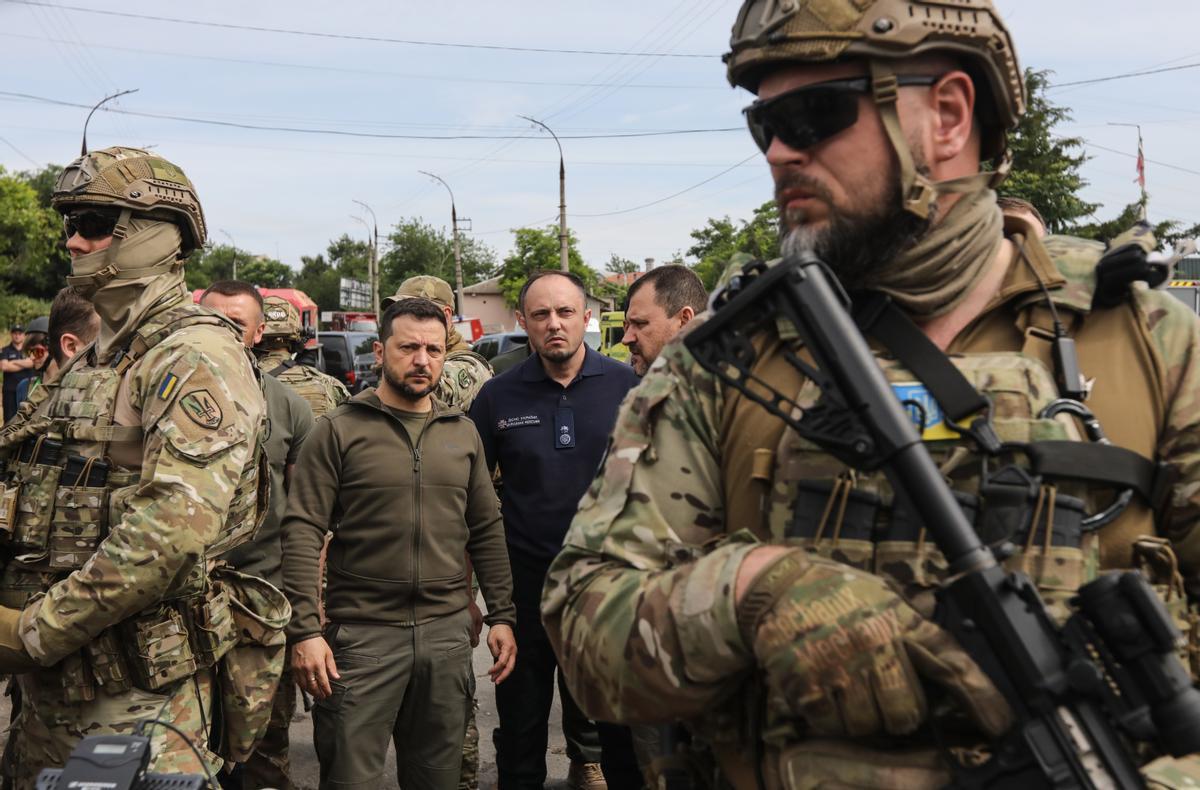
(305,771)
(304,759)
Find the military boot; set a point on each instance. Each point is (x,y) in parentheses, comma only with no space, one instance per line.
(585,776)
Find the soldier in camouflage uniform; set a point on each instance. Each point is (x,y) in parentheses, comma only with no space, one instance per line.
(139,466)
(280,341)
(726,573)
(463,373)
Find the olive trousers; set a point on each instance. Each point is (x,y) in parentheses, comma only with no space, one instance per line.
(411,685)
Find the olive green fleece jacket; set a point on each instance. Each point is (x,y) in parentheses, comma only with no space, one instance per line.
(401,516)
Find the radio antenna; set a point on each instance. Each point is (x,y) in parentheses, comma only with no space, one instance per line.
(84,148)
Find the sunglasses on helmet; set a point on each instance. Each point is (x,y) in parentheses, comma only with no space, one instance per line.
(803,117)
(89,224)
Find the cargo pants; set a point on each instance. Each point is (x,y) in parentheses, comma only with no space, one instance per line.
(412,685)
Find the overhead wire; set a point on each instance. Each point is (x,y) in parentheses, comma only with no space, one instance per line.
(352,133)
(24,155)
(1125,76)
(351,36)
(673,195)
(473,79)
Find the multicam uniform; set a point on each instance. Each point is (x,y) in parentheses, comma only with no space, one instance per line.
(820,680)
(324,393)
(640,603)
(123,484)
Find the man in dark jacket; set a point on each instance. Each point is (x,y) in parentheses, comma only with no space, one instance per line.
(406,481)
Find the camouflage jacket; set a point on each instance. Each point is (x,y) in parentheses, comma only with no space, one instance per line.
(464,373)
(639,604)
(324,393)
(183,441)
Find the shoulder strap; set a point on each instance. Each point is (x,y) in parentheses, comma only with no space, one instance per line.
(165,325)
(284,367)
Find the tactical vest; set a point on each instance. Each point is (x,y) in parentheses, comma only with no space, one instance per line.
(321,392)
(60,494)
(806,497)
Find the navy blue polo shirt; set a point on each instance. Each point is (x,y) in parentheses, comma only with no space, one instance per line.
(548,441)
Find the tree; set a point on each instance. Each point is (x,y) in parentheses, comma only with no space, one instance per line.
(210,264)
(419,248)
(33,261)
(619,265)
(718,241)
(350,257)
(319,280)
(1045,169)
(538,248)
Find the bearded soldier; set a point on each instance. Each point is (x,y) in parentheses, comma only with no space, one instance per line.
(726,573)
(280,341)
(138,468)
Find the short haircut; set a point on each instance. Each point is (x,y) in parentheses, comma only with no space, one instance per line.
(71,314)
(1010,203)
(417,307)
(675,287)
(540,273)
(234,288)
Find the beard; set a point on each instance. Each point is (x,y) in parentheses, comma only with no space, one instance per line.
(400,382)
(858,243)
(559,354)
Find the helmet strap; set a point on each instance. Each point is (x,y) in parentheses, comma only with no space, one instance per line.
(920,193)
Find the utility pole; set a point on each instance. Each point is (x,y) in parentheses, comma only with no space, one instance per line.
(225,233)
(562,195)
(1141,166)
(458,275)
(373,270)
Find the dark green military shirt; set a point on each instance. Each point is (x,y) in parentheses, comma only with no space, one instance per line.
(289,419)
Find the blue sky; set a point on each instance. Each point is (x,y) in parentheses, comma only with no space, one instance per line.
(286,194)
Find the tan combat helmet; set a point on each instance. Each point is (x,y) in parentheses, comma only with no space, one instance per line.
(772,32)
(139,182)
(281,317)
(425,286)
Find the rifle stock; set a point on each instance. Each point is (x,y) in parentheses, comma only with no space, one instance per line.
(1080,693)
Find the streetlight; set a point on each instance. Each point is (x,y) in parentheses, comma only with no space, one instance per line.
(373,274)
(225,233)
(458,279)
(562,194)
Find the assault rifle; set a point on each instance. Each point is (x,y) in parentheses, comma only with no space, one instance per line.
(1083,694)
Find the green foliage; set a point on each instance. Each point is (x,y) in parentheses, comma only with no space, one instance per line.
(20,309)
(1167,233)
(1045,168)
(319,280)
(350,257)
(33,260)
(538,248)
(419,248)
(619,265)
(210,264)
(718,241)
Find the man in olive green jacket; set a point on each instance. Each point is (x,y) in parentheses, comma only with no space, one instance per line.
(405,480)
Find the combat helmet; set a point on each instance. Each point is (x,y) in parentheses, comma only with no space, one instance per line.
(281,317)
(138,181)
(771,32)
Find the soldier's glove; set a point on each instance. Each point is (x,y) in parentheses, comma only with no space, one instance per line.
(844,655)
(1125,263)
(14,659)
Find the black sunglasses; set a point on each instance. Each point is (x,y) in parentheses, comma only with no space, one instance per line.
(803,117)
(89,224)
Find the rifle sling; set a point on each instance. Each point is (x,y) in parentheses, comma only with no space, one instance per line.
(879,317)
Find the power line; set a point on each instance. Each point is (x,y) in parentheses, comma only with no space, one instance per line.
(348,70)
(354,37)
(19,151)
(1148,161)
(351,133)
(1124,76)
(729,169)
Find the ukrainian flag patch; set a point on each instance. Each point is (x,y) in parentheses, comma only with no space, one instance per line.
(167,387)
(924,411)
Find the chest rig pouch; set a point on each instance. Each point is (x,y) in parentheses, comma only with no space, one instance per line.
(63,492)
(1036,483)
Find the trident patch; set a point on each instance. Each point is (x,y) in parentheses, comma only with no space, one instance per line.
(203,410)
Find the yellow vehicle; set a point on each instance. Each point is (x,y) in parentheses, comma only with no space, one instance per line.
(612,329)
